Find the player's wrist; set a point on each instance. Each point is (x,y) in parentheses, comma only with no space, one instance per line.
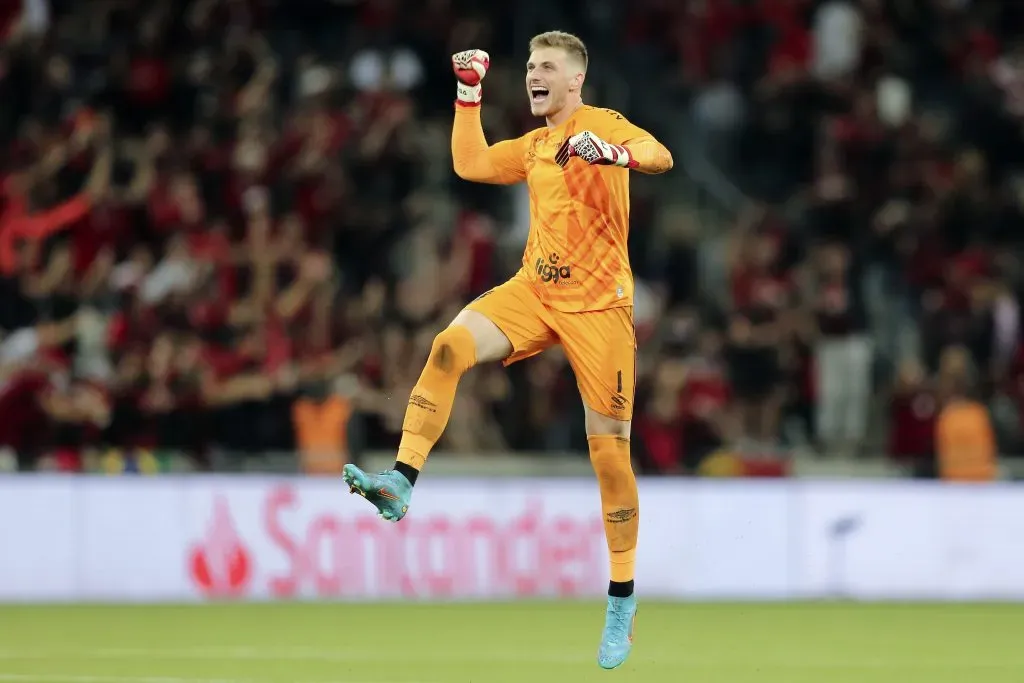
(468,95)
(622,156)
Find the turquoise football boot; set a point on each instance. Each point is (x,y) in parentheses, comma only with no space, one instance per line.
(617,639)
(389,491)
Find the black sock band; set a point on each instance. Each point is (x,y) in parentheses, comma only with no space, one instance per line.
(620,589)
(407,471)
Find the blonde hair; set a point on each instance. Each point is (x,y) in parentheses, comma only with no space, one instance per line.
(572,45)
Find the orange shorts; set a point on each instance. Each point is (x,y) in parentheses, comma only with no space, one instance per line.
(600,345)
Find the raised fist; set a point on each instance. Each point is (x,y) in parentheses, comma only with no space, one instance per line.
(470,67)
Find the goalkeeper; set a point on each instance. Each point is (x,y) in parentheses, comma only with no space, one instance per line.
(575,288)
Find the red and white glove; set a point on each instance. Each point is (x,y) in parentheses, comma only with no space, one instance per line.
(594,151)
(470,67)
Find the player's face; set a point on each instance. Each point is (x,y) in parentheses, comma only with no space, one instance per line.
(550,76)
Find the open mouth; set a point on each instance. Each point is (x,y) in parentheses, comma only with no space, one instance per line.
(538,94)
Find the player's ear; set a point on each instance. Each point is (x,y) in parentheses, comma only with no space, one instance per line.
(577,81)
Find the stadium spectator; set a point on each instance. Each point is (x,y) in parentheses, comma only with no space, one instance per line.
(965,438)
(913,412)
(843,352)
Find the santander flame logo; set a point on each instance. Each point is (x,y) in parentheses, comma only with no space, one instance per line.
(221,565)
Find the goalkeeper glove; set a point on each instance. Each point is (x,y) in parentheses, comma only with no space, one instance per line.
(470,67)
(594,151)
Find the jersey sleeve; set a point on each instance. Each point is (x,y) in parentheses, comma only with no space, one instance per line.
(503,163)
(620,131)
(649,155)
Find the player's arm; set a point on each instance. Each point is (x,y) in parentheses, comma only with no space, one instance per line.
(502,163)
(647,155)
(499,164)
(620,143)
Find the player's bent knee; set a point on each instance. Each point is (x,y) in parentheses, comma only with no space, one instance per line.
(489,341)
(602,425)
(452,352)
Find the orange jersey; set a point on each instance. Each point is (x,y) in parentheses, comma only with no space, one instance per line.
(576,256)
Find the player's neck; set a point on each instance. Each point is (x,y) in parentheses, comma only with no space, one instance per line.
(564,114)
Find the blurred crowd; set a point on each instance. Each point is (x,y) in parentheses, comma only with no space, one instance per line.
(873,282)
(232,226)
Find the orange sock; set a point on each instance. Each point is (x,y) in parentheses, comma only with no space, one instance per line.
(620,502)
(430,406)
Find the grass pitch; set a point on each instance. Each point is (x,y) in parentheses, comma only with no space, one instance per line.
(524,642)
